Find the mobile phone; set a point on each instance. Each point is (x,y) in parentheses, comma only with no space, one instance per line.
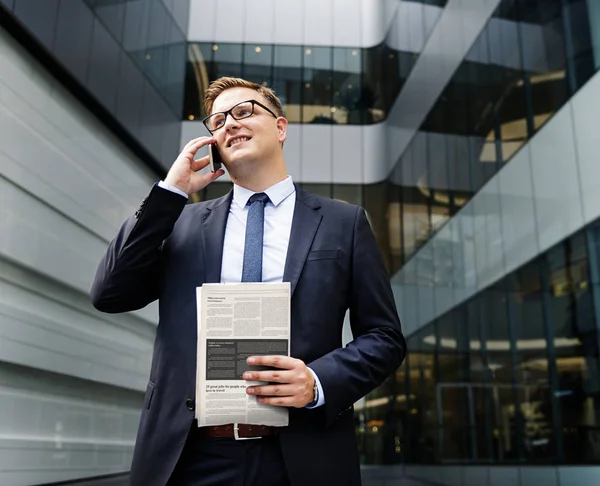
(214,157)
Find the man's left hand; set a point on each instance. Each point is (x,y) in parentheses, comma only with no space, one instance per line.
(292,385)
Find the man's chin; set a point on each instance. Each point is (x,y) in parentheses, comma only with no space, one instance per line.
(239,159)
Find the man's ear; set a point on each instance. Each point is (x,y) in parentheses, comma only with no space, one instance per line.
(282,124)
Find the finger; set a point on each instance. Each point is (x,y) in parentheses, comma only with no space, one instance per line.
(190,143)
(195,140)
(202,180)
(279,401)
(271,376)
(215,175)
(198,143)
(199,164)
(283,362)
(272,390)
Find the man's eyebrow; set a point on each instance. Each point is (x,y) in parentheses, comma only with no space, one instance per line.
(237,103)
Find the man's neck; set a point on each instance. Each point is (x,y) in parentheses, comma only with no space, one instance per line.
(261,179)
(259,184)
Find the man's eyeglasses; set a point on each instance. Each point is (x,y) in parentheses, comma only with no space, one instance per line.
(238,112)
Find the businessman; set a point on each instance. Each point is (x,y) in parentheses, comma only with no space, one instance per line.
(266,229)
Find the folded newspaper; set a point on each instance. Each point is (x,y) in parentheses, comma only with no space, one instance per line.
(236,321)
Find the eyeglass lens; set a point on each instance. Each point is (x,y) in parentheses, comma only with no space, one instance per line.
(243,110)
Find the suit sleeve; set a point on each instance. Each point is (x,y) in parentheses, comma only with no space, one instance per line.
(129,275)
(379,347)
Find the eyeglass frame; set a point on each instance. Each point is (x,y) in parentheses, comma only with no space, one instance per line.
(229,112)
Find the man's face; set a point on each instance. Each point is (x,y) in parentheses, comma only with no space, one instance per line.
(249,139)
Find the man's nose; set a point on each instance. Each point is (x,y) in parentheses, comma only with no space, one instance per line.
(230,122)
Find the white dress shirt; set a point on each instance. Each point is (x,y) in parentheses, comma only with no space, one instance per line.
(279,213)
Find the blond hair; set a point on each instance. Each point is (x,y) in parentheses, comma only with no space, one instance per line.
(218,86)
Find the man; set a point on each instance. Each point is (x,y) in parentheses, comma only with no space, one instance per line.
(324,248)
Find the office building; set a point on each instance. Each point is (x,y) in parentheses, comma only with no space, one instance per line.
(465,128)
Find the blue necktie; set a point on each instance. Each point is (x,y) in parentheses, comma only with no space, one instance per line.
(253,247)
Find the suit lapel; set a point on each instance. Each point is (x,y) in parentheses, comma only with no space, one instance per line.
(304,227)
(214,221)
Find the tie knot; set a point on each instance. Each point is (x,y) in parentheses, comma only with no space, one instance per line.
(259,196)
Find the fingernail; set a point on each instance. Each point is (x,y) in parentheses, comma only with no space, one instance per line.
(250,391)
(251,360)
(247,376)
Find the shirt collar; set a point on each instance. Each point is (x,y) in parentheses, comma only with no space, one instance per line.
(277,193)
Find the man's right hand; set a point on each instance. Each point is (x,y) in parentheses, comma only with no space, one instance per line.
(183,173)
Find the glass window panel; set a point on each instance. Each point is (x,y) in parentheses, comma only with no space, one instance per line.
(73,39)
(381,426)
(39,17)
(496,396)
(258,64)
(415,220)
(416,201)
(104,67)
(427,416)
(532,364)
(154,115)
(287,80)
(135,33)
(479,396)
(129,94)
(413,380)
(318,82)
(435,180)
(454,394)
(375,204)
(593,7)
(578,17)
(507,120)
(227,60)
(347,95)
(372,102)
(546,63)
(350,193)
(181,14)
(393,78)
(394,220)
(198,74)
(575,343)
(155,57)
(396,420)
(174,75)
(112,15)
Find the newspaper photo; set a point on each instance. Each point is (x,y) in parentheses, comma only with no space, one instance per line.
(236,321)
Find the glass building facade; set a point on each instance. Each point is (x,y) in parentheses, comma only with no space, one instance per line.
(316,84)
(486,219)
(127,58)
(511,375)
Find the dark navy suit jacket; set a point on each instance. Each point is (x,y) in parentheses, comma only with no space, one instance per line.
(169,248)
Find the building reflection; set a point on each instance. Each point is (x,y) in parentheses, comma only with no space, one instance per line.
(510,376)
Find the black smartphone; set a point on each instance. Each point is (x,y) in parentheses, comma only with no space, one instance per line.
(214,157)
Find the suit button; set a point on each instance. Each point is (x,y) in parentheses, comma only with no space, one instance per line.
(189,403)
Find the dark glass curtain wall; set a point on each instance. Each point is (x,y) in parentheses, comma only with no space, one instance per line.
(316,84)
(512,375)
(129,55)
